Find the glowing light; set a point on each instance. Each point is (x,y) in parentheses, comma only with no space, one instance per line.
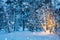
(49,27)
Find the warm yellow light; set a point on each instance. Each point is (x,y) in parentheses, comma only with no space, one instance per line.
(50,25)
(50,21)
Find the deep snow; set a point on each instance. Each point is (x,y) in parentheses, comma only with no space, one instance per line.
(28,36)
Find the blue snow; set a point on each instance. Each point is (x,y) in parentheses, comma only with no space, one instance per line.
(28,36)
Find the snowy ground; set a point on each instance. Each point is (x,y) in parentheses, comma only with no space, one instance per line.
(28,36)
